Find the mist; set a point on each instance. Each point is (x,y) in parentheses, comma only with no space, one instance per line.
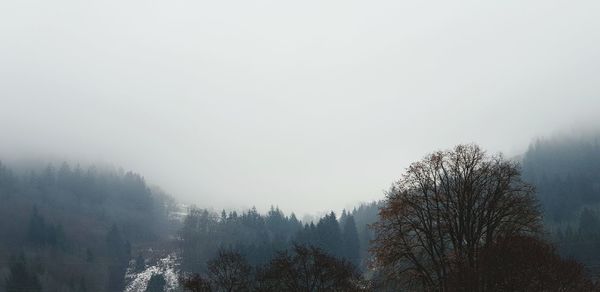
(236,103)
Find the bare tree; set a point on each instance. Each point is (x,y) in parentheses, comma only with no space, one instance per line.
(310,269)
(444,210)
(229,272)
(195,283)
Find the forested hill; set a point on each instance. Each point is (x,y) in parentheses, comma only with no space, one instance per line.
(566,172)
(72,229)
(68,228)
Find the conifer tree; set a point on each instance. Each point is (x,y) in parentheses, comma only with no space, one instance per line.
(350,241)
(329,236)
(21,278)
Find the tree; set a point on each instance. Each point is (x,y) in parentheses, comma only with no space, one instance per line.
(21,278)
(195,283)
(350,241)
(525,263)
(156,283)
(309,269)
(36,231)
(140,263)
(589,225)
(329,235)
(444,210)
(119,250)
(229,271)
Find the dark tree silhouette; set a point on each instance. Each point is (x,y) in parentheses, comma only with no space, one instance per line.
(156,283)
(230,271)
(119,250)
(36,231)
(524,263)
(195,283)
(350,241)
(329,235)
(309,269)
(445,210)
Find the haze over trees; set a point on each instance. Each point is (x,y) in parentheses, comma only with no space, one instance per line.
(457,220)
(260,237)
(72,229)
(308,146)
(566,172)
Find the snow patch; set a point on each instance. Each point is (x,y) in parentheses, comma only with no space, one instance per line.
(167,266)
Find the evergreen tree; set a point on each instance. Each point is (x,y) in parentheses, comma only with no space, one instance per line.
(329,236)
(36,230)
(140,263)
(156,283)
(343,217)
(351,241)
(21,278)
(120,251)
(589,224)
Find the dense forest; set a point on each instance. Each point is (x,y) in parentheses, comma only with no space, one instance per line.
(566,172)
(69,228)
(73,229)
(260,237)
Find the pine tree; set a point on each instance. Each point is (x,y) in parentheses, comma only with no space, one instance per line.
(36,231)
(589,224)
(21,278)
(343,217)
(120,251)
(351,241)
(156,283)
(329,235)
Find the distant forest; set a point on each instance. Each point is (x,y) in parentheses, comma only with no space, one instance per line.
(73,229)
(566,173)
(68,228)
(259,237)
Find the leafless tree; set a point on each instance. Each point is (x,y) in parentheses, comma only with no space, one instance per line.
(229,272)
(195,283)
(444,210)
(309,269)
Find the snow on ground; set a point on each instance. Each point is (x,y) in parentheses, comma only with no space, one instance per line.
(167,266)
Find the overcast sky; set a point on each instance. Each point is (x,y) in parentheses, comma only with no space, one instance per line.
(308,105)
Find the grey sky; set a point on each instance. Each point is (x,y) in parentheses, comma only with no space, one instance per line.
(309,105)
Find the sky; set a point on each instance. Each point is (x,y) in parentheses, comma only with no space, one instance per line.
(306,105)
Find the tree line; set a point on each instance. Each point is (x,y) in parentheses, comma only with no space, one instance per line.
(302,268)
(260,237)
(457,220)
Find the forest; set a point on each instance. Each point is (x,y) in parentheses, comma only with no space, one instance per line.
(457,220)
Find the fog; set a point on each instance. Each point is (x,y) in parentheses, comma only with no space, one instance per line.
(308,105)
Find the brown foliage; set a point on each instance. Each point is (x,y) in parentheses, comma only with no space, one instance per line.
(522,263)
(444,210)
